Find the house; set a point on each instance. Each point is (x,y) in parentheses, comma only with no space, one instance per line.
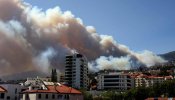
(11,91)
(160,98)
(2,93)
(52,91)
(147,81)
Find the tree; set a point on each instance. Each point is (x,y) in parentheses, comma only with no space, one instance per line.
(86,95)
(54,75)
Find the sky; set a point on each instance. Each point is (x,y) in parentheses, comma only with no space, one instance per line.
(139,24)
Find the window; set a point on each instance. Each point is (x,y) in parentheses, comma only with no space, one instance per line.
(16,91)
(47,96)
(8,97)
(2,95)
(27,96)
(66,97)
(53,96)
(39,96)
(15,97)
(59,96)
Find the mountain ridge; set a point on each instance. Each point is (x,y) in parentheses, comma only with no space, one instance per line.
(170,56)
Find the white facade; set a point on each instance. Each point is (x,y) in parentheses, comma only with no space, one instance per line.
(39,90)
(36,83)
(144,80)
(36,80)
(114,80)
(13,91)
(51,96)
(76,71)
(50,91)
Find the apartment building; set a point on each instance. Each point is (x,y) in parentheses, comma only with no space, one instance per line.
(76,71)
(145,80)
(114,80)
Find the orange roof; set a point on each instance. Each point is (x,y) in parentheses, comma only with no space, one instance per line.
(2,89)
(159,98)
(56,89)
(146,76)
(169,77)
(155,77)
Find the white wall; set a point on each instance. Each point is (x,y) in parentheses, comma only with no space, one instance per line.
(12,91)
(122,81)
(34,96)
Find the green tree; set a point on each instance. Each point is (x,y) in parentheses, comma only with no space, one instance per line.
(54,75)
(86,95)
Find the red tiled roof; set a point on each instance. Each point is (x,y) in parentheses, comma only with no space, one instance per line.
(169,77)
(55,89)
(2,89)
(155,77)
(146,76)
(160,98)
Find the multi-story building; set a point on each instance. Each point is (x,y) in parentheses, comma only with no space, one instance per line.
(114,80)
(76,71)
(145,80)
(141,80)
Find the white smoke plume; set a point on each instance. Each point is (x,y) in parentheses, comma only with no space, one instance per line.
(116,63)
(43,60)
(26,33)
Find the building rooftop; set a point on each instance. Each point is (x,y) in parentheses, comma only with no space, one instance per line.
(2,89)
(151,76)
(55,88)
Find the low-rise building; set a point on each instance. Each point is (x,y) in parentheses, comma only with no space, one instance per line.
(3,92)
(37,89)
(161,98)
(52,91)
(37,79)
(12,91)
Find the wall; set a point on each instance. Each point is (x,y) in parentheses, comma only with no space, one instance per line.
(34,96)
(13,91)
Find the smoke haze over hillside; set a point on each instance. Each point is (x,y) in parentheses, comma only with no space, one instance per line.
(34,40)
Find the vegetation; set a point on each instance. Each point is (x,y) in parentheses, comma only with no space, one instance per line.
(54,75)
(86,95)
(166,89)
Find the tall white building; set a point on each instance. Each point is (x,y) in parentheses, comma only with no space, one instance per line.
(76,71)
(114,80)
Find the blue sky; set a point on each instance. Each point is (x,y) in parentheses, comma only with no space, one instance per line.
(139,24)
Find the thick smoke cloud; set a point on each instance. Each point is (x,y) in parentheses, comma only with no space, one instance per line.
(121,63)
(32,39)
